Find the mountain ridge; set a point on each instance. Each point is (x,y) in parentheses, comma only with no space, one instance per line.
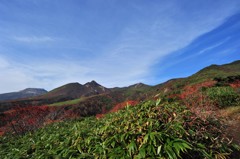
(137,91)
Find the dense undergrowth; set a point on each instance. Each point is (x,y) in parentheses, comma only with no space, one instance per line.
(152,129)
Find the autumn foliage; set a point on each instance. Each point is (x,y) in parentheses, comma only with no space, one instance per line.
(118,107)
(21,120)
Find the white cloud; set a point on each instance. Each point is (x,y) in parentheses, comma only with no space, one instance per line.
(12,79)
(33,39)
(3,63)
(48,75)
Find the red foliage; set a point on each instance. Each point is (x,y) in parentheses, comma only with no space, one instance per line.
(191,89)
(196,101)
(235,84)
(118,107)
(23,119)
(99,116)
(122,105)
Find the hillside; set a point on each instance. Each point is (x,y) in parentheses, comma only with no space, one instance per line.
(209,73)
(26,93)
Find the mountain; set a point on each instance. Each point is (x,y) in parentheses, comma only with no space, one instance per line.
(76,90)
(26,93)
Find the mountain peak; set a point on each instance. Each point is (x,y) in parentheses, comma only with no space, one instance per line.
(93,81)
(72,84)
(33,90)
(139,85)
(92,84)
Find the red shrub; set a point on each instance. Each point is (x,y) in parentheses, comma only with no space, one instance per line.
(235,84)
(23,119)
(118,107)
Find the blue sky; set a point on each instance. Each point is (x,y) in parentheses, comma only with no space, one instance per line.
(48,43)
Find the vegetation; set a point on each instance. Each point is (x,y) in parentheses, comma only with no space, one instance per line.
(148,130)
(223,96)
(231,112)
(68,102)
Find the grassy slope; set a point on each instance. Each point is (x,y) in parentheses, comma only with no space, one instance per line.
(68,102)
(231,116)
(209,73)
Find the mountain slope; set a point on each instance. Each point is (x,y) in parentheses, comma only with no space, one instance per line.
(26,93)
(73,90)
(213,71)
(209,73)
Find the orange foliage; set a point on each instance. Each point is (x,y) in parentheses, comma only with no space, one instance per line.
(122,105)
(189,90)
(118,107)
(235,84)
(196,101)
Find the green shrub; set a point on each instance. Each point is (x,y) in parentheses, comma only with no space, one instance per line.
(148,130)
(223,96)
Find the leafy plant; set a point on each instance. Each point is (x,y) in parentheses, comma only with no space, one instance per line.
(148,130)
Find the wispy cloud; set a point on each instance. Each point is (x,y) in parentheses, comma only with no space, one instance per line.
(33,39)
(212,46)
(142,44)
(3,63)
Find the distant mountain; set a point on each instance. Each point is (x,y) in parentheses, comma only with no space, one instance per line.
(139,86)
(76,90)
(26,93)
